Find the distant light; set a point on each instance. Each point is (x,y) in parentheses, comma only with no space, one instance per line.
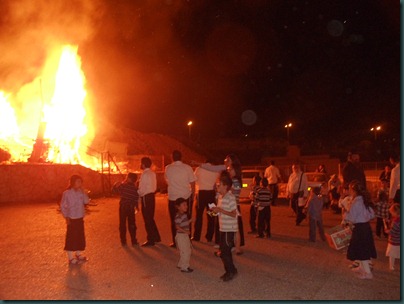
(288,125)
(189,123)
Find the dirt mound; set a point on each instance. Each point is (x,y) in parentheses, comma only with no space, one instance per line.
(139,143)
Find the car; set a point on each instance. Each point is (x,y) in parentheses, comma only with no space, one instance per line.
(314,179)
(247,178)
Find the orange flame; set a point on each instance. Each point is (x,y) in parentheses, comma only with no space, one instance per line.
(68,129)
(65,115)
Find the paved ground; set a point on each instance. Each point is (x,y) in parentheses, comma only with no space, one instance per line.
(34,266)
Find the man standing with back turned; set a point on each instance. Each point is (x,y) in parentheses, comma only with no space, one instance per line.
(181,184)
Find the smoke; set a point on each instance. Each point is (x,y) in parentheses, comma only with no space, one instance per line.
(29,31)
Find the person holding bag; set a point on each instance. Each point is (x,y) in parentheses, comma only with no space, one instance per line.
(296,191)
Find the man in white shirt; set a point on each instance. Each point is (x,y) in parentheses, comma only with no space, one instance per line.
(394,192)
(146,191)
(274,177)
(181,184)
(295,189)
(206,194)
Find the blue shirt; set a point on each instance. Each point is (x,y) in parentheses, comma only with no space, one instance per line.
(358,213)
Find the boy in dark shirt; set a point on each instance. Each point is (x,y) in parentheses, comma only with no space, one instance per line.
(129,201)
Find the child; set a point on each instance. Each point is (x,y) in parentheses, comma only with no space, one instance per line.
(129,201)
(227,213)
(264,198)
(393,247)
(314,209)
(253,209)
(182,237)
(381,213)
(72,207)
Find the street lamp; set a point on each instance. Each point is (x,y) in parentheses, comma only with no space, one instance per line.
(288,126)
(375,129)
(189,129)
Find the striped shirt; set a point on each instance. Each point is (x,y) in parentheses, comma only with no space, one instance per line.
(394,235)
(227,203)
(263,197)
(128,193)
(181,220)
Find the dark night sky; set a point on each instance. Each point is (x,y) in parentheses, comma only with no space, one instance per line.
(330,67)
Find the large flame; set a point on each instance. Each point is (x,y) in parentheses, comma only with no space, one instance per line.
(8,121)
(60,125)
(65,115)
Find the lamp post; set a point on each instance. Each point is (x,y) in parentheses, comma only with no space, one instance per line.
(375,130)
(189,129)
(288,126)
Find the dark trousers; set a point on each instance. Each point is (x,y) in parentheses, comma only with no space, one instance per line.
(380,227)
(173,211)
(264,221)
(253,217)
(127,213)
(240,227)
(204,198)
(274,191)
(148,207)
(312,229)
(217,230)
(226,244)
(300,216)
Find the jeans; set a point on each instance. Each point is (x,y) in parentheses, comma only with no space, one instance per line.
(204,198)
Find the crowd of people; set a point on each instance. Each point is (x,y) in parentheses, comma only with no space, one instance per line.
(215,189)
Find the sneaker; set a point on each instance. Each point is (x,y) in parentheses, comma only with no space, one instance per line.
(223,276)
(216,246)
(188,270)
(217,253)
(365,275)
(229,276)
(354,265)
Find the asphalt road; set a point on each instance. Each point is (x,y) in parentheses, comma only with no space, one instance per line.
(33,265)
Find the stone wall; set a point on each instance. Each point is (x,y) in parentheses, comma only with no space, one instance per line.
(43,182)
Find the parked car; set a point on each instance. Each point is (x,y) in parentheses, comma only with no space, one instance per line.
(314,179)
(247,178)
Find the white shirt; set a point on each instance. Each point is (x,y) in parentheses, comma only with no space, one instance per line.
(205,180)
(179,176)
(272,174)
(394,181)
(72,204)
(293,183)
(147,183)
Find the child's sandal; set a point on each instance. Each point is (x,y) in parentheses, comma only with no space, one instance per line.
(81,258)
(74,261)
